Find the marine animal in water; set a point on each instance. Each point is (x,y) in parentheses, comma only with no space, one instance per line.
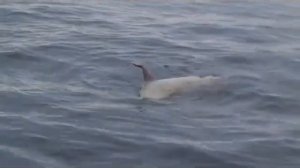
(163,88)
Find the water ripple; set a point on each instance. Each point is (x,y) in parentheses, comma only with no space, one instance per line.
(69,94)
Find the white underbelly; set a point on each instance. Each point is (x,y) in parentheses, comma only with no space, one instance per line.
(164,88)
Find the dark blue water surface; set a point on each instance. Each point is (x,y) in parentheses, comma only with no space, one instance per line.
(69,94)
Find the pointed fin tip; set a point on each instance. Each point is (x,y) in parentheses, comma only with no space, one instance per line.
(146,74)
(137,65)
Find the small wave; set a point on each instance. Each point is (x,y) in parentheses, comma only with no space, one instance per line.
(19,56)
(29,158)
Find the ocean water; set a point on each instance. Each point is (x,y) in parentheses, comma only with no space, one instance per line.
(69,94)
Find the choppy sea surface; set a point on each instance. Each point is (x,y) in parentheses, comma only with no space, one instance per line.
(69,94)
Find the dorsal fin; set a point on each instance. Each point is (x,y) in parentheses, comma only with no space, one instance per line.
(147,75)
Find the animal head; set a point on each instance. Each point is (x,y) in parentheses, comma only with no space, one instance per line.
(146,74)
